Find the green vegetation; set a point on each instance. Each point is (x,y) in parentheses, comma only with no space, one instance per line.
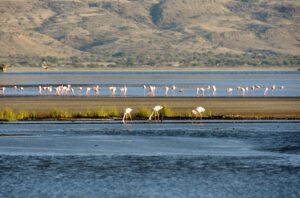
(143,112)
(176,59)
(112,113)
(10,115)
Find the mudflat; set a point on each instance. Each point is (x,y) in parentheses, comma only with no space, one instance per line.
(234,107)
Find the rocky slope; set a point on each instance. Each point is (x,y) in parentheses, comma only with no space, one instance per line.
(98,33)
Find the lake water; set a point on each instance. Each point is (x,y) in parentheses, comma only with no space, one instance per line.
(168,159)
(188,81)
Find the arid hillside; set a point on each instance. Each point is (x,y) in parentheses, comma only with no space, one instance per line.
(123,33)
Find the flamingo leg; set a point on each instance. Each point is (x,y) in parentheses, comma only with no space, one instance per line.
(124,117)
(196,116)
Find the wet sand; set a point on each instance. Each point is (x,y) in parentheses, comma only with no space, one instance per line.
(231,107)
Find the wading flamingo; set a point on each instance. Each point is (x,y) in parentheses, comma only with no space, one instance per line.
(214,88)
(88,90)
(266,91)
(166,90)
(127,113)
(40,90)
(201,89)
(229,91)
(112,91)
(173,88)
(198,111)
(124,91)
(152,90)
(2,90)
(97,90)
(145,88)
(155,112)
(79,90)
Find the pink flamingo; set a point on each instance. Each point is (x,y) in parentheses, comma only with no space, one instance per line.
(198,111)
(155,112)
(127,113)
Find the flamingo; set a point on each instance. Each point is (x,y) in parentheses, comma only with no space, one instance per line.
(197,91)
(96,90)
(16,89)
(145,88)
(88,89)
(200,89)
(124,91)
(229,91)
(266,91)
(40,90)
(22,89)
(79,90)
(166,90)
(173,88)
(50,90)
(152,90)
(155,112)
(214,88)
(112,91)
(198,111)
(127,113)
(2,90)
(243,90)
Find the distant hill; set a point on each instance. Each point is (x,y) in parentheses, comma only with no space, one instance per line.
(101,33)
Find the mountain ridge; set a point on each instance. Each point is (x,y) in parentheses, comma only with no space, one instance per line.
(101,33)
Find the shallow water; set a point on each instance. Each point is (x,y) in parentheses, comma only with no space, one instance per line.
(134,80)
(169,159)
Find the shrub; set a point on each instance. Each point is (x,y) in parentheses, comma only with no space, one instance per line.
(167,112)
(8,115)
(143,112)
(56,113)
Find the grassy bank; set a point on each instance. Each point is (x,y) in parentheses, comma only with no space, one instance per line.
(142,113)
(37,108)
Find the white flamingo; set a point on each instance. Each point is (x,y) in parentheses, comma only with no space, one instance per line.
(145,88)
(214,88)
(79,90)
(202,90)
(243,91)
(229,91)
(152,90)
(166,90)
(50,89)
(2,90)
(97,90)
(112,91)
(88,90)
(40,90)
(124,91)
(273,88)
(198,111)
(173,88)
(127,113)
(266,91)
(155,112)
(16,89)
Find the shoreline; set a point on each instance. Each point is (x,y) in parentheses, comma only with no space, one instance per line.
(176,108)
(152,69)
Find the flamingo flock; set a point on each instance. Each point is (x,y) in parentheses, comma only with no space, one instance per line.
(197,112)
(150,90)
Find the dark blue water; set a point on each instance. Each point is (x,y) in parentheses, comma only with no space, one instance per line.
(188,81)
(169,159)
